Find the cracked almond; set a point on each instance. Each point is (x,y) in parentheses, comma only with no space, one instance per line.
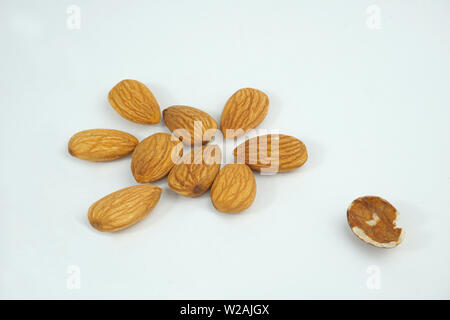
(373,220)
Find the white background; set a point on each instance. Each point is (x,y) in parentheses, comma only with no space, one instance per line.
(372,106)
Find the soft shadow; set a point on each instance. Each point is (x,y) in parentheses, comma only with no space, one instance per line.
(316,154)
(161,93)
(415,222)
(274,109)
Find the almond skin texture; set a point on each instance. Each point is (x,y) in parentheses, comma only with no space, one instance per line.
(152,158)
(272,153)
(101,144)
(196,171)
(200,126)
(123,208)
(244,110)
(234,188)
(373,220)
(135,102)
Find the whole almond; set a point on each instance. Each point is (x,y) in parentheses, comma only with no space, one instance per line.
(272,153)
(152,158)
(195,172)
(191,125)
(234,188)
(373,220)
(244,110)
(101,144)
(135,102)
(123,208)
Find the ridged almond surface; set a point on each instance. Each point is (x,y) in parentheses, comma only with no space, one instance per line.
(200,126)
(152,158)
(135,102)
(234,188)
(123,208)
(244,110)
(272,153)
(101,144)
(373,220)
(196,171)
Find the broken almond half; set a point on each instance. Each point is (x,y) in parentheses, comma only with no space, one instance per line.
(373,220)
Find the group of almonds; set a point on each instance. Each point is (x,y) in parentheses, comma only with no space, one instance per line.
(233,188)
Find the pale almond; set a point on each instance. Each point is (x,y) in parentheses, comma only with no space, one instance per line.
(123,208)
(101,144)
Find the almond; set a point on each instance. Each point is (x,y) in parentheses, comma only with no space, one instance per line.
(244,110)
(135,102)
(101,144)
(373,220)
(272,153)
(123,208)
(234,188)
(195,172)
(153,157)
(191,125)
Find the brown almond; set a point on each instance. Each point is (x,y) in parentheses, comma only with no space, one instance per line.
(272,153)
(123,208)
(152,158)
(244,110)
(135,102)
(191,125)
(101,144)
(234,188)
(195,172)
(373,220)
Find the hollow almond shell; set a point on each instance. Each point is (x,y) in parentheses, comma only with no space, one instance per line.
(373,220)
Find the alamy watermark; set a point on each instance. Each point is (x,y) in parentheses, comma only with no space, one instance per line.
(373,281)
(261,151)
(73,21)
(73,281)
(373,20)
